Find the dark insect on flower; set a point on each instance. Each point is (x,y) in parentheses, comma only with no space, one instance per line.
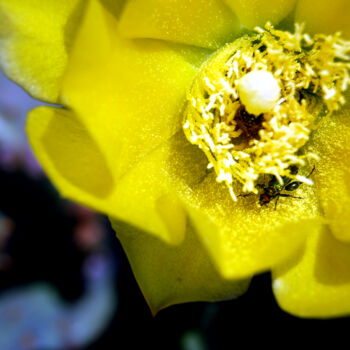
(274,187)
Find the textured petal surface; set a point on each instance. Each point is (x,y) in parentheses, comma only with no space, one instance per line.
(257,12)
(316,282)
(327,16)
(130,94)
(127,98)
(332,175)
(78,166)
(34,38)
(147,194)
(170,275)
(70,155)
(240,238)
(205,23)
(244,239)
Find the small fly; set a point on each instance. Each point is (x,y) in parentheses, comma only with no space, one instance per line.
(274,187)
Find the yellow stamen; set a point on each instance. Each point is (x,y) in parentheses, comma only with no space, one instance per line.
(256,101)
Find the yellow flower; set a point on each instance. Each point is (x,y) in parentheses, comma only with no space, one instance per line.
(118,146)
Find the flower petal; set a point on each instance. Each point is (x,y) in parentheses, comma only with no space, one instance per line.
(127,98)
(170,275)
(35,39)
(332,174)
(325,17)
(114,6)
(205,23)
(146,196)
(74,161)
(70,155)
(130,94)
(34,35)
(244,239)
(240,238)
(257,12)
(316,282)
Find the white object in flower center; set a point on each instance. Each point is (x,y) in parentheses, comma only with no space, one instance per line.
(259,91)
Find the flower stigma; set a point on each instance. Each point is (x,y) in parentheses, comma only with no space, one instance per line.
(256,101)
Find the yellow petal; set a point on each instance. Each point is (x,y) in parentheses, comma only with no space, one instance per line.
(167,274)
(240,238)
(183,271)
(114,6)
(77,165)
(130,94)
(316,282)
(127,97)
(327,16)
(35,39)
(170,275)
(146,195)
(257,12)
(34,35)
(332,174)
(243,239)
(69,154)
(205,23)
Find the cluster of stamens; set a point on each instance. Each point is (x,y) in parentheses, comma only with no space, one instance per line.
(255,103)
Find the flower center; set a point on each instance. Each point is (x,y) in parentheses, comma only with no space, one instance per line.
(256,101)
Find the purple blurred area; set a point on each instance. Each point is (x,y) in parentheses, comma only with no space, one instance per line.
(14,105)
(57,272)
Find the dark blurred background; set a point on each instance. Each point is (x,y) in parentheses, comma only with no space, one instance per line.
(65,282)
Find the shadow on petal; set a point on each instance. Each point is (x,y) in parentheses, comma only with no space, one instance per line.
(114,6)
(73,22)
(185,162)
(169,274)
(316,283)
(76,16)
(76,156)
(332,259)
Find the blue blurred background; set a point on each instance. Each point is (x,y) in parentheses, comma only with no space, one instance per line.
(57,267)
(65,282)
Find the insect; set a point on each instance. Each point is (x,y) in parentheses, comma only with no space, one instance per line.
(274,188)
